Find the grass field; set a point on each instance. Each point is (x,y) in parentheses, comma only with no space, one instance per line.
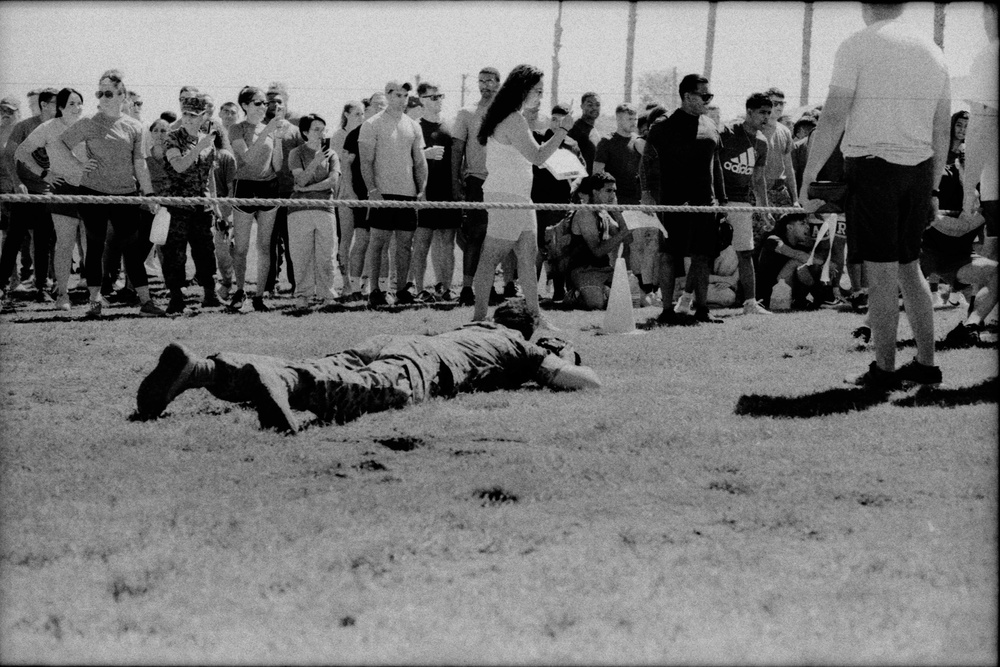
(646,522)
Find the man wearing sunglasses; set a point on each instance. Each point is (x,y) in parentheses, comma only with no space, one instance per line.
(779,171)
(681,166)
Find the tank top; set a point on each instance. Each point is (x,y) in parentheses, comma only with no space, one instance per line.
(507,170)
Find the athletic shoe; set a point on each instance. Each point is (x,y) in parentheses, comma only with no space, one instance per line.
(684,304)
(258,304)
(150,309)
(962,336)
(875,378)
(859,302)
(210,300)
(447,295)
(425,296)
(176,305)
(167,380)
(103,300)
(270,397)
(404,297)
(466,297)
(62,303)
(669,317)
(41,296)
(94,310)
(701,314)
(917,373)
(354,297)
(863,332)
(751,307)
(377,299)
(239,298)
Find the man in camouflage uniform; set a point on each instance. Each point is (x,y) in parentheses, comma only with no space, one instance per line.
(189,156)
(383,373)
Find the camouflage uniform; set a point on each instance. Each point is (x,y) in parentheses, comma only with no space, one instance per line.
(190,223)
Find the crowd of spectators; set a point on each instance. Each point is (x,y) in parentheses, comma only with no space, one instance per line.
(396,145)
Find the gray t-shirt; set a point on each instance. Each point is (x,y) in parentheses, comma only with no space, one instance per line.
(260,167)
(466,128)
(394,140)
(115,143)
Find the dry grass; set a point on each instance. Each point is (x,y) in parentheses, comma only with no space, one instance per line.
(644,523)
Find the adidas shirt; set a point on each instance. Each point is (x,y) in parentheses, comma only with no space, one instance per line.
(739,154)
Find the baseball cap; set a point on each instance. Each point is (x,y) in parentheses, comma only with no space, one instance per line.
(560,110)
(11,103)
(195,104)
(396,85)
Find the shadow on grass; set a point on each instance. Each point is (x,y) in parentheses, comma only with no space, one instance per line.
(852,399)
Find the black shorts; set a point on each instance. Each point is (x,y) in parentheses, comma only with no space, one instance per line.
(247,189)
(394,219)
(888,208)
(360,217)
(439,218)
(68,210)
(690,234)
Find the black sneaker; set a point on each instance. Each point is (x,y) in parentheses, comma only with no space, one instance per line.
(875,378)
(670,317)
(466,297)
(165,382)
(701,314)
(859,302)
(962,336)
(917,373)
(210,300)
(150,309)
(425,296)
(404,297)
(259,305)
(377,299)
(176,305)
(41,296)
(239,298)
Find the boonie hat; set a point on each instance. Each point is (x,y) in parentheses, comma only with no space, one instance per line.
(10,102)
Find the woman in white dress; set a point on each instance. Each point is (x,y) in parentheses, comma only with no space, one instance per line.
(511,151)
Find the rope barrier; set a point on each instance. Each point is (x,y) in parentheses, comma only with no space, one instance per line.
(381,203)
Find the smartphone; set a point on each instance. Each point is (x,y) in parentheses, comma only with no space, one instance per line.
(325,144)
(272,108)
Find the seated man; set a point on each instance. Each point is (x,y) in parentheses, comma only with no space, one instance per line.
(790,255)
(946,249)
(384,372)
(594,241)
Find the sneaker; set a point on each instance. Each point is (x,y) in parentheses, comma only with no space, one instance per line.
(150,309)
(210,300)
(917,373)
(270,397)
(447,295)
(176,305)
(404,297)
(875,378)
(41,296)
(94,310)
(685,303)
(239,298)
(701,314)
(669,317)
(859,302)
(165,382)
(425,296)
(864,332)
(354,297)
(62,303)
(103,300)
(377,299)
(258,304)
(752,307)
(466,297)
(962,336)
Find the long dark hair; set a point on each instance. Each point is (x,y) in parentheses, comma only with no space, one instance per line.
(509,98)
(62,99)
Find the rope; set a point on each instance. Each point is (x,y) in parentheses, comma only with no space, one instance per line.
(381,203)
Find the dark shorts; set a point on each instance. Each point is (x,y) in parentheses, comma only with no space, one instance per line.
(690,234)
(989,211)
(247,189)
(360,218)
(439,218)
(474,222)
(394,219)
(68,210)
(888,206)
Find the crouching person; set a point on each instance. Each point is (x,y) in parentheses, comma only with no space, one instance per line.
(383,373)
(594,241)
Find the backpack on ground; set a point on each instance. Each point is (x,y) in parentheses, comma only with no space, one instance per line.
(557,243)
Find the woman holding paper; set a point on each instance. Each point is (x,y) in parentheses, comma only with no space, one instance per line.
(511,150)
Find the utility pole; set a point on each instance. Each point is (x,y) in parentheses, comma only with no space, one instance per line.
(416,84)
(630,49)
(555,56)
(463,90)
(939,24)
(807,26)
(713,8)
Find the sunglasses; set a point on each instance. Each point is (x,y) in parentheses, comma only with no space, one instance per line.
(137,105)
(705,97)
(259,103)
(106,93)
(435,97)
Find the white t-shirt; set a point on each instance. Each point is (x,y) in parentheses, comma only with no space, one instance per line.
(898,76)
(983,89)
(393,140)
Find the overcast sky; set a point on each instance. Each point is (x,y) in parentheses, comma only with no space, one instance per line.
(331,52)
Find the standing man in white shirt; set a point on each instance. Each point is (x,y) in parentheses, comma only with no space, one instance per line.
(890,97)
